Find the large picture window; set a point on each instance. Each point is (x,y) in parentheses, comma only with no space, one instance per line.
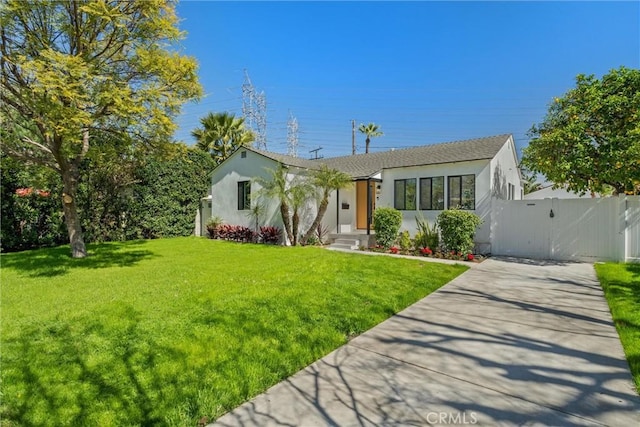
(405,194)
(432,193)
(244,195)
(462,192)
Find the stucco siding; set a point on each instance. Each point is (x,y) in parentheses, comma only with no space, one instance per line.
(479,168)
(224,189)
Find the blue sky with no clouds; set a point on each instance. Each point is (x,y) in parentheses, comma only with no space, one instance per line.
(426,72)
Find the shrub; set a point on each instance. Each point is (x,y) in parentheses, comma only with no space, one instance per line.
(244,234)
(213,225)
(405,241)
(270,235)
(386,222)
(427,236)
(457,228)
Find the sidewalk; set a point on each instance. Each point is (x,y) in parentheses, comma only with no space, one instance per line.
(509,342)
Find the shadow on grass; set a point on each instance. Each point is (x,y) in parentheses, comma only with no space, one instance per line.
(53,262)
(93,373)
(634,269)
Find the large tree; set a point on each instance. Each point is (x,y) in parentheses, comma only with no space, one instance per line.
(221,134)
(371,130)
(71,70)
(590,137)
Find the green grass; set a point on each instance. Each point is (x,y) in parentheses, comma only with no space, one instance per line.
(164,332)
(621,285)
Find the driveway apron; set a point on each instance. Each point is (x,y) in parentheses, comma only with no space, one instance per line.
(510,342)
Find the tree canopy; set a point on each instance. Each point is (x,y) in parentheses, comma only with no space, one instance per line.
(221,134)
(71,70)
(590,137)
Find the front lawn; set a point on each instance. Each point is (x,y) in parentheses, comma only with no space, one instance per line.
(621,285)
(167,331)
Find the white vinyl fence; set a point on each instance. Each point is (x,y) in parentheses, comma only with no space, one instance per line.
(598,229)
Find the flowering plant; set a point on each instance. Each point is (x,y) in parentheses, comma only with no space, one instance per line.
(470,257)
(394,249)
(426,251)
(24,192)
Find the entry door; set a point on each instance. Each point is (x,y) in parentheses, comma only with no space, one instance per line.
(361,203)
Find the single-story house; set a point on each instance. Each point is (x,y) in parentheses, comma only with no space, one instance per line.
(421,180)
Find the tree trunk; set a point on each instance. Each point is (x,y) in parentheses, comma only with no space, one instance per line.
(322,209)
(284,213)
(367,141)
(70,176)
(295,221)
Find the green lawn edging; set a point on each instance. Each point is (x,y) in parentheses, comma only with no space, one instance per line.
(621,285)
(167,331)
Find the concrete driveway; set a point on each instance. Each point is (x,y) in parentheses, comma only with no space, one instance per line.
(511,342)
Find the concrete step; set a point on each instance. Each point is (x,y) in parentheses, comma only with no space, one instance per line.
(348,241)
(343,246)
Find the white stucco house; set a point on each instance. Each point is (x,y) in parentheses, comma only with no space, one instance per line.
(421,180)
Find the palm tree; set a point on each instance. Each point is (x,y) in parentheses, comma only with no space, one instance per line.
(325,180)
(300,190)
(293,194)
(276,187)
(221,134)
(372,130)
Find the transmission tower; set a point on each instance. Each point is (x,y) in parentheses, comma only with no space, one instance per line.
(292,136)
(254,110)
(261,121)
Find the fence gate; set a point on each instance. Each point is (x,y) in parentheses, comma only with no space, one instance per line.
(605,228)
(521,228)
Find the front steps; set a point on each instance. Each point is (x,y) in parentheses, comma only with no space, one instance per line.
(350,241)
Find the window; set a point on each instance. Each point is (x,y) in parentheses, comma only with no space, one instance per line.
(432,193)
(243,154)
(462,192)
(512,191)
(405,194)
(244,195)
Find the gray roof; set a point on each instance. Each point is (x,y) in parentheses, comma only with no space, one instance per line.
(366,165)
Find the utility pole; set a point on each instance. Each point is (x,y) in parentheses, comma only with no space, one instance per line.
(315,151)
(353,137)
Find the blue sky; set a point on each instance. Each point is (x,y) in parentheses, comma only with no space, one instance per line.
(426,72)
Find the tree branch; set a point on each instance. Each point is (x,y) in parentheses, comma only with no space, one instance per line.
(37,144)
(30,157)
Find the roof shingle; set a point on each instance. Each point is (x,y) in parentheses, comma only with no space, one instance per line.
(366,165)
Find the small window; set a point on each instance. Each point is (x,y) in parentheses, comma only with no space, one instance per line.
(243,154)
(405,194)
(244,195)
(462,192)
(432,193)
(512,191)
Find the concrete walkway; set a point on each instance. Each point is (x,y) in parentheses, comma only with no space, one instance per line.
(510,342)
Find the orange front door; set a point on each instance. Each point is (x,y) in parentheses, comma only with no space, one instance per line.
(361,203)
